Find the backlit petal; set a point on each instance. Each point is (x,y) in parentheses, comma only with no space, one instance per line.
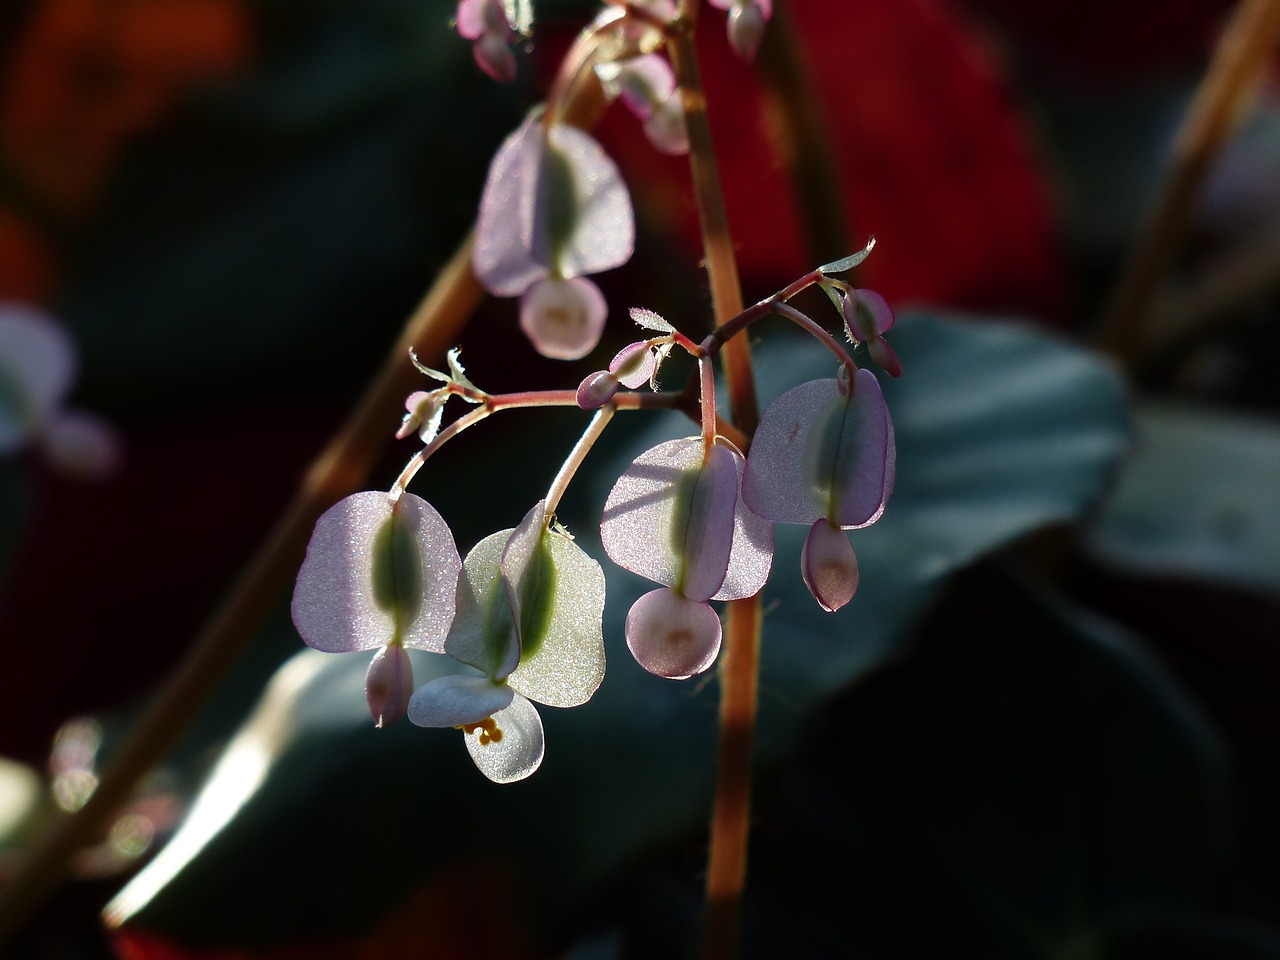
(517,751)
(455,700)
(672,636)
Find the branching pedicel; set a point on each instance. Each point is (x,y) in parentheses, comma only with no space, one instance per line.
(522,615)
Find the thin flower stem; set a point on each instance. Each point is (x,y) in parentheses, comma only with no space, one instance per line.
(1242,55)
(825,338)
(579,453)
(707,394)
(340,469)
(739,664)
(497,403)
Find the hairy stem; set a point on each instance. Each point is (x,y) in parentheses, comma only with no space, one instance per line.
(339,470)
(739,664)
(1239,60)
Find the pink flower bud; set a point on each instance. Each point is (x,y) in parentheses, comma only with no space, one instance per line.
(829,566)
(389,684)
(597,389)
(672,636)
(746,29)
(634,364)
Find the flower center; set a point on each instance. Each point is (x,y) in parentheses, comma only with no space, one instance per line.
(489,731)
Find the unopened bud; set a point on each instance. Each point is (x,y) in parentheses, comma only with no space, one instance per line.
(389,684)
(829,565)
(597,389)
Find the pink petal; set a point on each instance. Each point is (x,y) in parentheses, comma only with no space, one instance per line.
(746,29)
(493,55)
(389,684)
(829,566)
(670,517)
(517,749)
(634,364)
(867,315)
(471,15)
(666,129)
(563,318)
(671,635)
(502,258)
(820,453)
(81,445)
(455,700)
(884,355)
(368,579)
(640,82)
(752,553)
(37,365)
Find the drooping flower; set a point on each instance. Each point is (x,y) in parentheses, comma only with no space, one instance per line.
(494,26)
(379,575)
(554,209)
(747,19)
(647,85)
(37,368)
(529,619)
(824,455)
(677,517)
(867,317)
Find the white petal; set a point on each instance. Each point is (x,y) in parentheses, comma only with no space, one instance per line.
(455,700)
(37,364)
(518,751)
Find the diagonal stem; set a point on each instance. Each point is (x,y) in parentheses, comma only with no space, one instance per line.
(340,469)
(1242,54)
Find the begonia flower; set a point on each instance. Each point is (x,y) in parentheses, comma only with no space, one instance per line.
(554,209)
(824,455)
(529,620)
(747,19)
(37,368)
(676,516)
(494,26)
(378,575)
(647,85)
(867,317)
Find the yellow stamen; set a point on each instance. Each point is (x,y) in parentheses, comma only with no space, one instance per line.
(489,731)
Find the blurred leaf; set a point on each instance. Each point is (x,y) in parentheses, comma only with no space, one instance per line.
(1199,496)
(1018,785)
(330,822)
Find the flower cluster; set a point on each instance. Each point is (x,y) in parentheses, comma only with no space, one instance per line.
(521,617)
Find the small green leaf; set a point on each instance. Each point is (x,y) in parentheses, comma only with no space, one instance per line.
(849,262)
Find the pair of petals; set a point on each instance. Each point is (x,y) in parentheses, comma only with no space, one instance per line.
(554,208)
(529,617)
(677,517)
(647,85)
(493,26)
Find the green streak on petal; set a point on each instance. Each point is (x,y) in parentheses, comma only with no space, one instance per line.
(828,471)
(398,576)
(557,192)
(537,599)
(496,630)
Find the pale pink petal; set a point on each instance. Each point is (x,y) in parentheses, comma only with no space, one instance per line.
(81,445)
(456,700)
(502,259)
(821,453)
(369,578)
(884,355)
(471,15)
(671,520)
(583,222)
(829,566)
(640,82)
(867,315)
(666,129)
(493,55)
(563,318)
(671,635)
(634,364)
(752,553)
(37,364)
(389,684)
(513,747)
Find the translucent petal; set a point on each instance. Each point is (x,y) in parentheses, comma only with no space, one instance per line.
(389,684)
(642,82)
(672,636)
(454,700)
(634,364)
(582,217)
(562,654)
(37,364)
(484,633)
(666,129)
(752,553)
(494,56)
(829,566)
(518,751)
(477,17)
(503,260)
(671,519)
(368,577)
(563,318)
(818,453)
(81,445)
